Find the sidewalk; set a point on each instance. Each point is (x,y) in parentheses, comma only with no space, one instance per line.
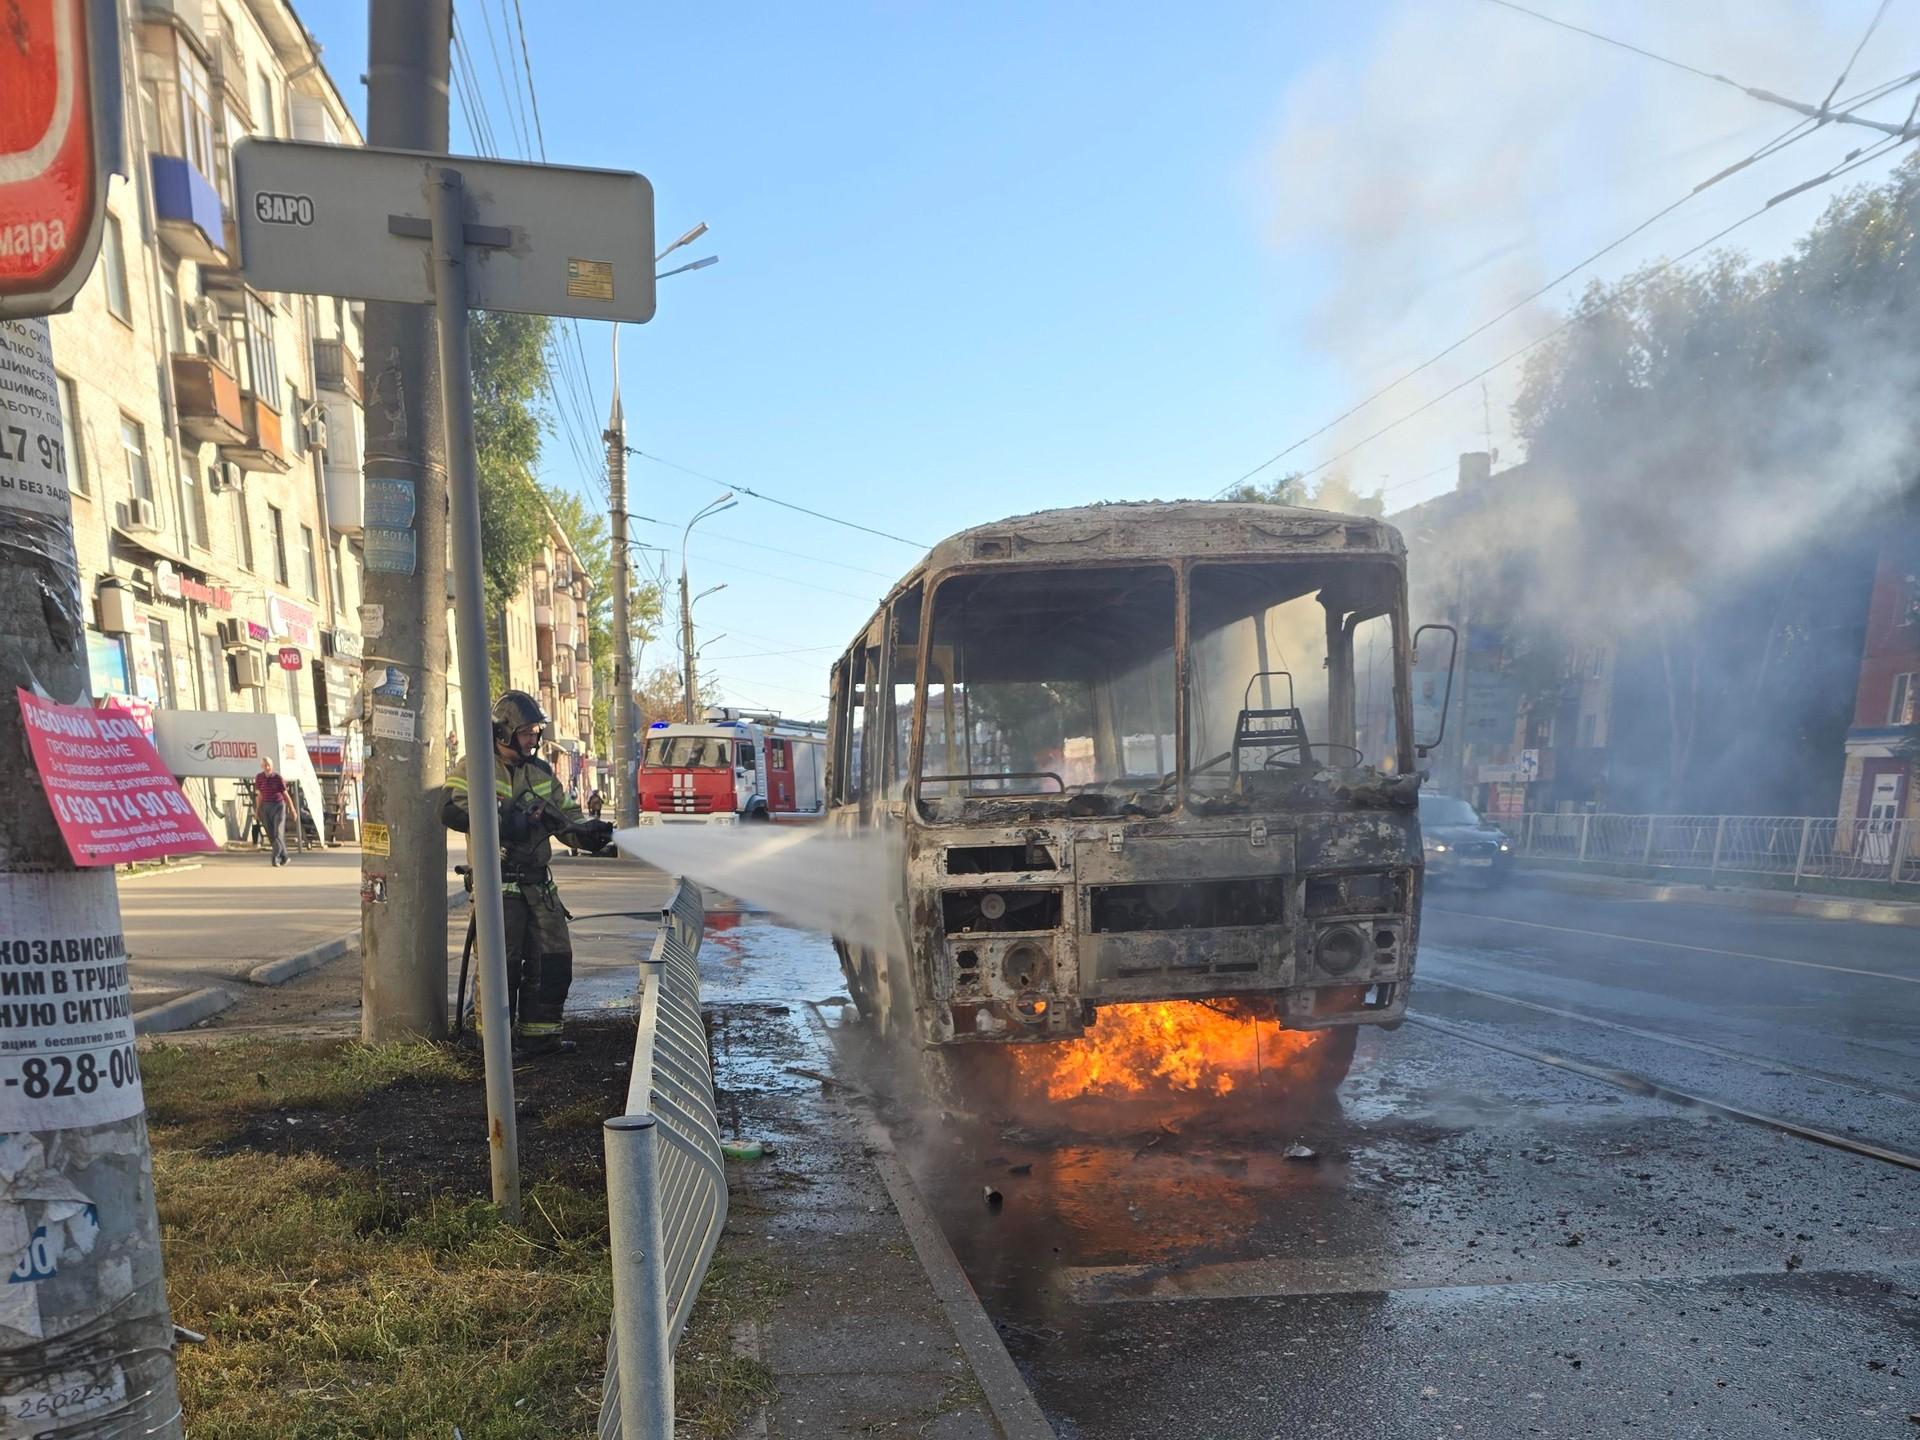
(1772,902)
(874,1329)
(196,935)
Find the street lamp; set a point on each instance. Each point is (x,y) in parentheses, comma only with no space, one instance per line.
(725,502)
(699,264)
(687,239)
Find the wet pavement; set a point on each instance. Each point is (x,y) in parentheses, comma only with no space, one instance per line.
(1482,1245)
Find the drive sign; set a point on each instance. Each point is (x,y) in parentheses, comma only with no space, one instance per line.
(59,81)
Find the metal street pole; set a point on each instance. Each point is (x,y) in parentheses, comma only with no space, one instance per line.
(626,800)
(686,644)
(86,1315)
(725,502)
(447,200)
(403,895)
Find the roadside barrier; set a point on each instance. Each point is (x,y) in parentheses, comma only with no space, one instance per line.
(1807,849)
(666,1183)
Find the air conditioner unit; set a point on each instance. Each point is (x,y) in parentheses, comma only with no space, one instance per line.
(203,315)
(141,515)
(249,670)
(317,432)
(233,635)
(225,478)
(116,608)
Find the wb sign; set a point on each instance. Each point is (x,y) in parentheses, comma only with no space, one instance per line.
(271,207)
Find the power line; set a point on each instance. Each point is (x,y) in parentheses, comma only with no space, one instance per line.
(1819,112)
(1792,134)
(1845,70)
(774,500)
(538,129)
(771,549)
(1854,161)
(1619,44)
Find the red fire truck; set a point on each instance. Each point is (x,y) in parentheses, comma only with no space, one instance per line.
(734,765)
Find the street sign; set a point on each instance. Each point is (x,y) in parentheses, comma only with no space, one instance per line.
(59,139)
(353,221)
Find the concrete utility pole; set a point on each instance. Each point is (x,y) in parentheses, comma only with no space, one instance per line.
(625,802)
(87,1317)
(686,648)
(403,894)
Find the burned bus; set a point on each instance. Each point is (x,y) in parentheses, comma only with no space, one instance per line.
(1134,753)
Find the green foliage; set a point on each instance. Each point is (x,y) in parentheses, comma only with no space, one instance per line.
(588,529)
(510,420)
(1334,492)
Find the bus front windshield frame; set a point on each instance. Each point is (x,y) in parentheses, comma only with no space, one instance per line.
(1056,688)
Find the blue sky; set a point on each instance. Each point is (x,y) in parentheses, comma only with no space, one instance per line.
(980,259)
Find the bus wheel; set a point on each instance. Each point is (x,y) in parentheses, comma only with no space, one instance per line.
(1333,1058)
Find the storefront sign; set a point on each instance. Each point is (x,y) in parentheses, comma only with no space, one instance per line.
(346,644)
(113,799)
(256,631)
(291,622)
(211,596)
(290,658)
(166,580)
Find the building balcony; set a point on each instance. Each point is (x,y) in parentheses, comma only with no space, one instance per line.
(207,399)
(337,368)
(260,446)
(192,220)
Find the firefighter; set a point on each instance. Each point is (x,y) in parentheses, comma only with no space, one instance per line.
(533,808)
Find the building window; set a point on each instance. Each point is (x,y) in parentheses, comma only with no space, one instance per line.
(170,313)
(264,99)
(263,361)
(193,505)
(311,556)
(70,436)
(277,524)
(1588,725)
(133,440)
(113,265)
(334,551)
(295,427)
(243,527)
(162,661)
(1904,708)
(196,111)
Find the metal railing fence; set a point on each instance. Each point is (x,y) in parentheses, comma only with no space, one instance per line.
(666,1180)
(1807,849)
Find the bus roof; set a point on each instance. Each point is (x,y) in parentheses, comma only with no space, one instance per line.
(1157,529)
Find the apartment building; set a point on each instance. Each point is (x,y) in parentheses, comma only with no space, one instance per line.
(1883,743)
(215,429)
(542,647)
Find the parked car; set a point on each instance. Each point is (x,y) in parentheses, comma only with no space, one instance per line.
(1460,845)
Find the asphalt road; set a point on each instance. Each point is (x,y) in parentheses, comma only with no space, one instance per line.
(1486,1245)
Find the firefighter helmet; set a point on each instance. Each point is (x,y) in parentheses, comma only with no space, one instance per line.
(513,712)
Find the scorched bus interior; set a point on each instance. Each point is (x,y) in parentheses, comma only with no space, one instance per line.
(1183,774)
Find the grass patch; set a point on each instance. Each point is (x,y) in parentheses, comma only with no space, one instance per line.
(325,1224)
(717,1386)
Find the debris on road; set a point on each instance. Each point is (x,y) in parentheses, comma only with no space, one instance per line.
(993,1197)
(1297,1151)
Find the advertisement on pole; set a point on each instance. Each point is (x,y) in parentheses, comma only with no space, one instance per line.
(113,799)
(66,1022)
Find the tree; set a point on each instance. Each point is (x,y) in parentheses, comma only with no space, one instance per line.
(1334,492)
(1725,437)
(662,695)
(510,391)
(587,529)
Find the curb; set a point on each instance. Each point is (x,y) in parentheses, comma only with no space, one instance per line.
(1773,902)
(1008,1396)
(182,1012)
(157,872)
(278,972)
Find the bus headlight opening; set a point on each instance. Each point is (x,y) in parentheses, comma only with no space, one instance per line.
(1340,951)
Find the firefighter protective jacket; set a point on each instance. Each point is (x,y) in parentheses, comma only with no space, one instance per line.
(533,808)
